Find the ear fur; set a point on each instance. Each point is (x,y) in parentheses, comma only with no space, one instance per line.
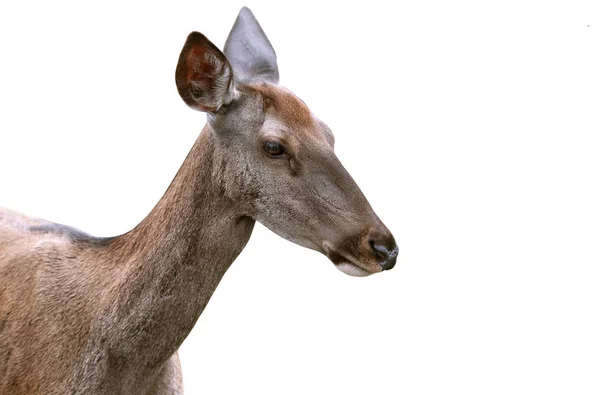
(204,76)
(249,50)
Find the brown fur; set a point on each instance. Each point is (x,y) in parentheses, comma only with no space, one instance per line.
(286,106)
(86,315)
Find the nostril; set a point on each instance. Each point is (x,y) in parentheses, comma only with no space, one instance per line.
(380,251)
(385,257)
(383,247)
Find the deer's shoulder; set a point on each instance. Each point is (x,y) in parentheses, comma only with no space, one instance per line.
(29,232)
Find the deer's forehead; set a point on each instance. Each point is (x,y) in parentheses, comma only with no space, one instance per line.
(286,107)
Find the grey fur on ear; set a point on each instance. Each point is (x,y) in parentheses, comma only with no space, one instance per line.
(249,50)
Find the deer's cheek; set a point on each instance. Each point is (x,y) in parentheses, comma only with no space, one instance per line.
(294,166)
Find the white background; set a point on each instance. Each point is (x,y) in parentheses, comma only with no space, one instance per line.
(474,131)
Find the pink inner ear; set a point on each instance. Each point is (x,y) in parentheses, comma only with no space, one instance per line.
(203,74)
(199,71)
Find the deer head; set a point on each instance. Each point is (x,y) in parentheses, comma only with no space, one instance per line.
(273,157)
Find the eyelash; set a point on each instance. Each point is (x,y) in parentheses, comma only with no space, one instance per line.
(273,148)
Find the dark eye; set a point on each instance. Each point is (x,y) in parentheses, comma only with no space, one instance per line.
(273,148)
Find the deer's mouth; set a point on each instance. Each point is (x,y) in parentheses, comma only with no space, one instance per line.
(352,269)
(345,263)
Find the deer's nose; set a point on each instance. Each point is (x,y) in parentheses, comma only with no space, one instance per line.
(384,248)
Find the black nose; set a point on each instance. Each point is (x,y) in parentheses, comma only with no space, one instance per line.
(385,250)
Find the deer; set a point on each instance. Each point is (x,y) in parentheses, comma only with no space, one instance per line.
(106,315)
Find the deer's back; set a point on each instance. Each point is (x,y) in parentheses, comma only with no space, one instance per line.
(54,293)
(42,326)
(29,244)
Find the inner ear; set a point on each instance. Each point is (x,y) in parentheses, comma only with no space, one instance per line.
(204,76)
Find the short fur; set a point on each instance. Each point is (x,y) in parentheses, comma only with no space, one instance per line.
(86,315)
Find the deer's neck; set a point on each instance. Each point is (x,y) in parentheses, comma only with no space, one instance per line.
(176,257)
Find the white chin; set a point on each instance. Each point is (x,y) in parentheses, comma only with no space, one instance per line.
(352,270)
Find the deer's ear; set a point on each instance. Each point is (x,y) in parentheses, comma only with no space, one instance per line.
(204,76)
(249,50)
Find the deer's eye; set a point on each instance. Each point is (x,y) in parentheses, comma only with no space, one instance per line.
(273,148)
